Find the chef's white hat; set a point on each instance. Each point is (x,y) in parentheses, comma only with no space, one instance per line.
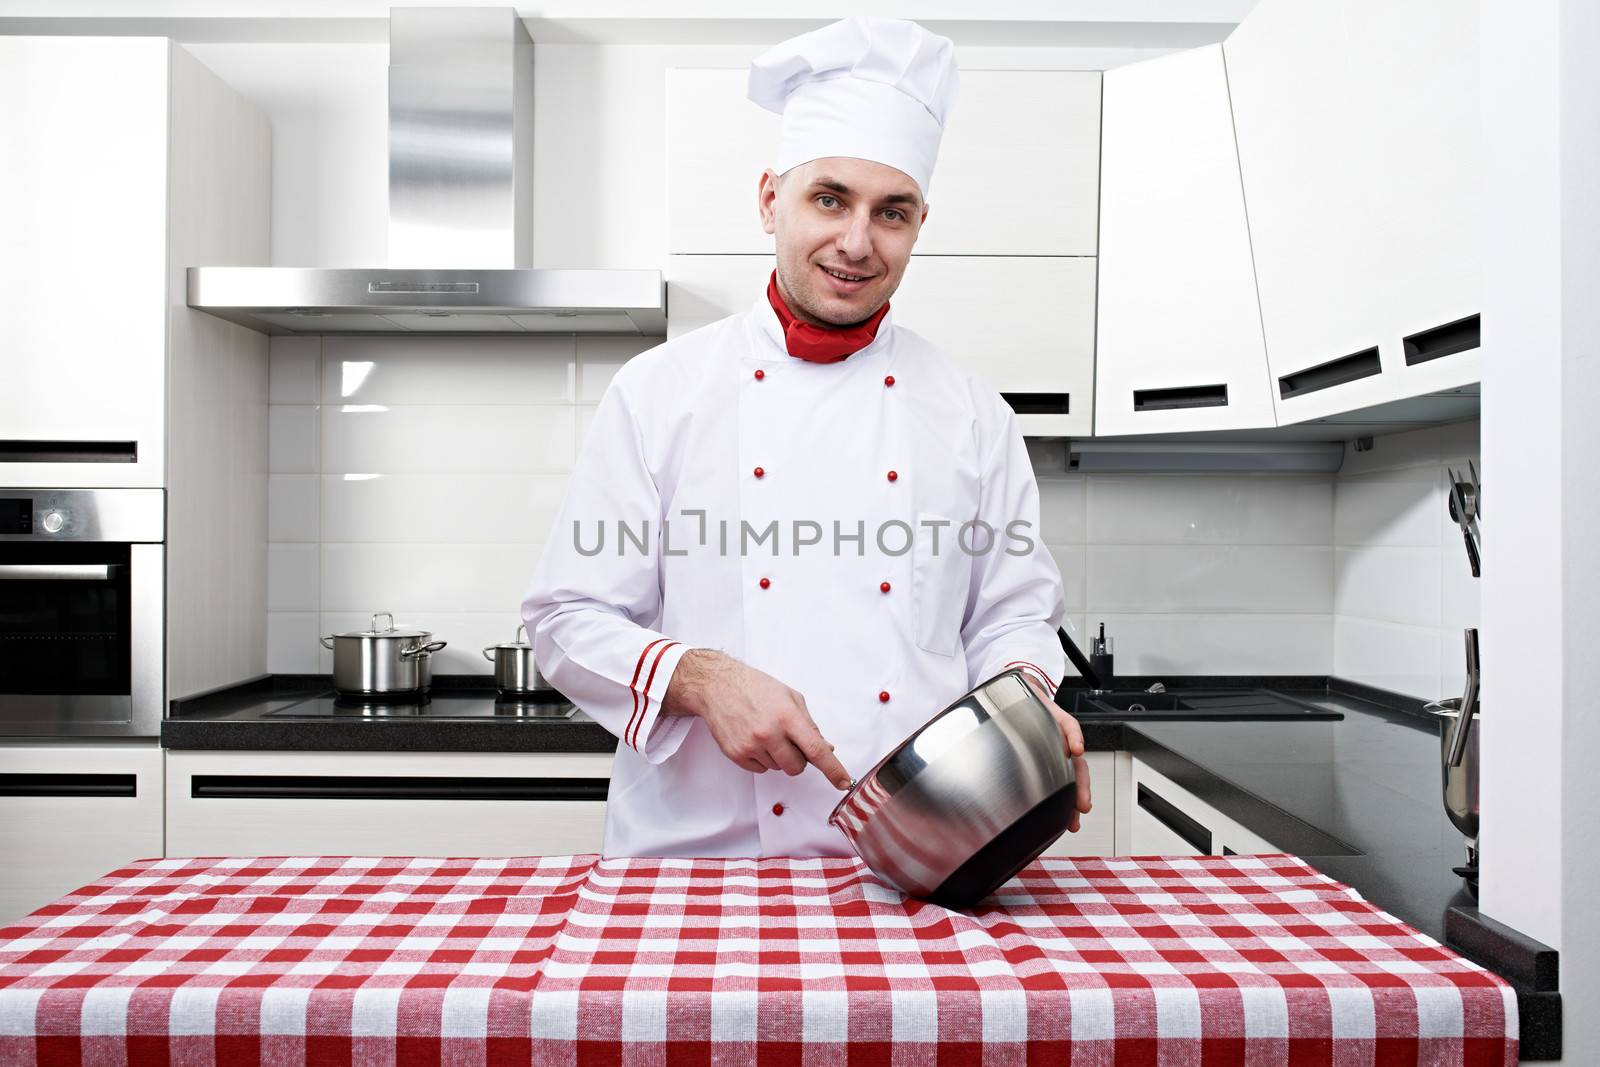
(872,88)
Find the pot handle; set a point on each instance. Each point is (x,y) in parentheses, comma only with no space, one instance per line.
(422,651)
(522,632)
(1448,708)
(383,615)
(488,649)
(327,642)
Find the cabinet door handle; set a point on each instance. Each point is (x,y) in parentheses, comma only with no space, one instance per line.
(1167,814)
(1349,368)
(55,572)
(12,451)
(380,787)
(69,785)
(1461,335)
(1183,396)
(1039,403)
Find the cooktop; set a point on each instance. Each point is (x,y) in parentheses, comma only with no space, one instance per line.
(459,704)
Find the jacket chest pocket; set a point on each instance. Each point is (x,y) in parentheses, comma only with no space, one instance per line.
(940,572)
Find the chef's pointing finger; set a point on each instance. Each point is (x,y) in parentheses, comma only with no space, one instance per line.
(820,755)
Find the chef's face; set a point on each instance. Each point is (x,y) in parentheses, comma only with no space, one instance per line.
(845,228)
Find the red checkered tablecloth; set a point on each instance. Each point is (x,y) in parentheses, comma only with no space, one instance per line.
(1207,961)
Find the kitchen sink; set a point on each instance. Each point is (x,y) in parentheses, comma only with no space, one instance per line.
(1195,704)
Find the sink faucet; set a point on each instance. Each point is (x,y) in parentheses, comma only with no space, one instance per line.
(1081,662)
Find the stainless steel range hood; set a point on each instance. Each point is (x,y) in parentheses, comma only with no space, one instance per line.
(460,210)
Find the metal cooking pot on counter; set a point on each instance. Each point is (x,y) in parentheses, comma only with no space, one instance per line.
(515,672)
(968,800)
(393,661)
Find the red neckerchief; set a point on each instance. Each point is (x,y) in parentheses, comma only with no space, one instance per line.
(821,344)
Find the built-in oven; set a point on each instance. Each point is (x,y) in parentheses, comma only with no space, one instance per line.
(82,595)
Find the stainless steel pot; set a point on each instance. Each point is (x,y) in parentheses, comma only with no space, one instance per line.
(388,662)
(971,798)
(515,672)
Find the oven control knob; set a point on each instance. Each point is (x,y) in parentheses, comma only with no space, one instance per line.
(53,521)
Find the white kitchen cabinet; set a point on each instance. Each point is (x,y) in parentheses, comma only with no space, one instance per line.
(1359,146)
(1179,344)
(126,161)
(1018,169)
(71,812)
(1168,820)
(1023,324)
(1096,834)
(385,803)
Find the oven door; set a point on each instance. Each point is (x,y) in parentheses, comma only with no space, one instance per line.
(80,638)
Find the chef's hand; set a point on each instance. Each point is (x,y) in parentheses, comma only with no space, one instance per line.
(758,722)
(1072,741)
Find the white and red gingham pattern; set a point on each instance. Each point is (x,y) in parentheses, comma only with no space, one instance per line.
(576,960)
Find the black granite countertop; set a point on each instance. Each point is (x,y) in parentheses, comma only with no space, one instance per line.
(1357,797)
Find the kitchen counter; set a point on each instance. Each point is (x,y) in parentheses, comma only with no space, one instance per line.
(1357,797)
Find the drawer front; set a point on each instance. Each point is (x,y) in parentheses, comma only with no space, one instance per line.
(385,804)
(71,813)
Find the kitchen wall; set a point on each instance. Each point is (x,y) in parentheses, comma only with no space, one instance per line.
(1403,590)
(420,475)
(425,486)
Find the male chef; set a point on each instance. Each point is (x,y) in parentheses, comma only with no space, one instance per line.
(771,564)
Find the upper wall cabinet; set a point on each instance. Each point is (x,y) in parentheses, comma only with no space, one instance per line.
(84,185)
(1180,344)
(1357,124)
(1017,174)
(985,312)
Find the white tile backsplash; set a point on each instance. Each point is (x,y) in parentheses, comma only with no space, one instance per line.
(447,439)
(1178,644)
(1208,578)
(448,370)
(294,374)
(292,439)
(1062,515)
(293,577)
(421,475)
(1403,588)
(1387,583)
(1209,510)
(292,507)
(1404,659)
(426,578)
(440,508)
(292,646)
(1388,508)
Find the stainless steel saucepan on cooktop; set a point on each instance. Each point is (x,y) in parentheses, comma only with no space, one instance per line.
(392,662)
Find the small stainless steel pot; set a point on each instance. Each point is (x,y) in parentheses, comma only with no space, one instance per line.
(515,672)
(971,798)
(388,662)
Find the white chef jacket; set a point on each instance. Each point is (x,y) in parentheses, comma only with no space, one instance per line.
(897,431)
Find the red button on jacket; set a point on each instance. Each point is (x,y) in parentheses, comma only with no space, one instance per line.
(883,696)
(777,809)
(760,374)
(888,380)
(893,476)
(759,472)
(765,582)
(883,587)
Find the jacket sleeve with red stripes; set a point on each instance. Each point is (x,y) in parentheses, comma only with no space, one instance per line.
(1014,600)
(590,613)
